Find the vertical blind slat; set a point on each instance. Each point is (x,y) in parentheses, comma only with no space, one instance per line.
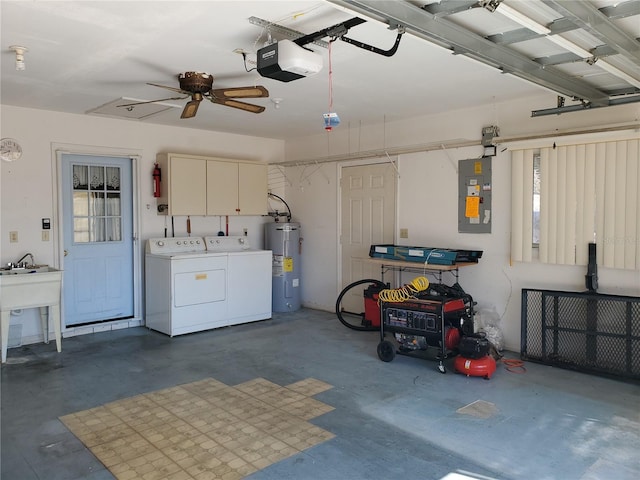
(599,194)
(551,206)
(527,207)
(620,194)
(561,202)
(517,205)
(522,207)
(608,239)
(632,207)
(579,199)
(545,194)
(588,201)
(571,207)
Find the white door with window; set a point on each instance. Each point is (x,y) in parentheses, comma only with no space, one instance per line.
(368,198)
(98,240)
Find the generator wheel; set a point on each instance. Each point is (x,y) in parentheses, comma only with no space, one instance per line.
(386,351)
(355,324)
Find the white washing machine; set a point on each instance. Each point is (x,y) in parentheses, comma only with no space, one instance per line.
(249,282)
(185,286)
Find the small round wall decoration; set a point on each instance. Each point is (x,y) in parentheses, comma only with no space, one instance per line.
(10,150)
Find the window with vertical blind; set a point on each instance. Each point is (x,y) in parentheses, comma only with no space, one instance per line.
(587,192)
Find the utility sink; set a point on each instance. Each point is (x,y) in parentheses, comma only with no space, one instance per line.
(30,287)
(36,286)
(27,269)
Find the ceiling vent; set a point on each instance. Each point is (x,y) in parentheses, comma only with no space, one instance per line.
(133,112)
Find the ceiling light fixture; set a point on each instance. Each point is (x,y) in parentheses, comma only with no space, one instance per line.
(20,51)
(568,45)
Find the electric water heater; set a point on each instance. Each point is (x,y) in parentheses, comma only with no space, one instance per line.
(283,239)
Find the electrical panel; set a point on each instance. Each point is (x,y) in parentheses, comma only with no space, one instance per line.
(474,195)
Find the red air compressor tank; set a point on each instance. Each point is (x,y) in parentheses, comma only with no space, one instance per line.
(475,367)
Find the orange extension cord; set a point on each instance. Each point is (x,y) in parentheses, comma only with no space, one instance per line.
(514,366)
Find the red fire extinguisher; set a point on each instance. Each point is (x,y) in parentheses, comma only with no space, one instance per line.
(157,177)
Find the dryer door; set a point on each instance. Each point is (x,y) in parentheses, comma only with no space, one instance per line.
(198,281)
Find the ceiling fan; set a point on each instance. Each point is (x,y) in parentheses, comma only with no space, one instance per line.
(197,85)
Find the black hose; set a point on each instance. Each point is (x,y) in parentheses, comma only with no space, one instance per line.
(361,328)
(285,204)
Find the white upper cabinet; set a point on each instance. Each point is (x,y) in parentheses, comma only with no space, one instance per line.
(197,185)
(252,189)
(184,184)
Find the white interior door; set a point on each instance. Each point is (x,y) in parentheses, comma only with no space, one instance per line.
(368,196)
(97,206)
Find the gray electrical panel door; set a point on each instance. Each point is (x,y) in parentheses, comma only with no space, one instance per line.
(474,195)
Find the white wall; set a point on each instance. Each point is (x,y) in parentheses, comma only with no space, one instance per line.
(27,192)
(427,203)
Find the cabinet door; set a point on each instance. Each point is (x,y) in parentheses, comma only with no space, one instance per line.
(252,189)
(188,184)
(222,188)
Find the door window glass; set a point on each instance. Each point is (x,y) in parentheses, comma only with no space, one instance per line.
(96,204)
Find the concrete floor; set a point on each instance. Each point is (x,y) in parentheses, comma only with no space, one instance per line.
(391,420)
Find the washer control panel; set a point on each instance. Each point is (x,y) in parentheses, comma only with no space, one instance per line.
(231,243)
(162,246)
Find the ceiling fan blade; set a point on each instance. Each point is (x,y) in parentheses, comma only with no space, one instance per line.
(240,92)
(173,89)
(151,101)
(247,107)
(190,109)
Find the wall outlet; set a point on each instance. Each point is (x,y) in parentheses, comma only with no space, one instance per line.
(13,237)
(45,235)
(404,233)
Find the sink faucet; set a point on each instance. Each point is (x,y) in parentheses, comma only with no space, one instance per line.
(21,263)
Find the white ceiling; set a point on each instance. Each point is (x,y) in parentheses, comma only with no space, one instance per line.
(83,54)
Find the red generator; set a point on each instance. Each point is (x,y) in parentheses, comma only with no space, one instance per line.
(419,325)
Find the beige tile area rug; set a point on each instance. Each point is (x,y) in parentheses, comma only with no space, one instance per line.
(203,430)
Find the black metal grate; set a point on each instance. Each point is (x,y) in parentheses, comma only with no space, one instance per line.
(590,332)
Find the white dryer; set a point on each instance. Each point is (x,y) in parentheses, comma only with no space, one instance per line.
(249,282)
(185,286)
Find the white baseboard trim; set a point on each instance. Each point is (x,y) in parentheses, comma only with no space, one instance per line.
(83,330)
(101,327)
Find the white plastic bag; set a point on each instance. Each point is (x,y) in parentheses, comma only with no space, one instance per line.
(488,321)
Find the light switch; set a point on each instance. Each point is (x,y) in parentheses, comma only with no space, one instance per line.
(404,233)
(45,235)
(13,237)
